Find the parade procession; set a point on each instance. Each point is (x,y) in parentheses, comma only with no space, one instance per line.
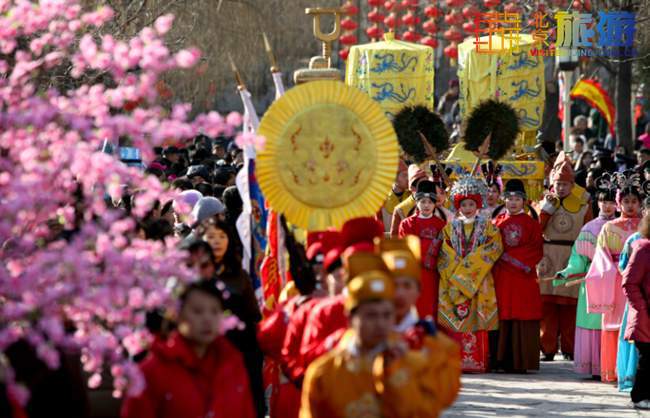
(324,208)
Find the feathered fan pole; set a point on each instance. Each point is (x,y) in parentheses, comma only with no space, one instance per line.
(433,152)
(491,130)
(481,153)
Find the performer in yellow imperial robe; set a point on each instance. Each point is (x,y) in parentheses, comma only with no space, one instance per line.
(467,306)
(371,373)
(421,334)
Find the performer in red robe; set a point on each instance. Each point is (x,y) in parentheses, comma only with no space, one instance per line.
(427,226)
(515,281)
(272,331)
(328,316)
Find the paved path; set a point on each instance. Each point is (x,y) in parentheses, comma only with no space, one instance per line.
(555,391)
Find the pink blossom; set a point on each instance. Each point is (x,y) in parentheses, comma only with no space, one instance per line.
(94,381)
(116,370)
(212,124)
(136,298)
(88,47)
(136,380)
(234,119)
(53,58)
(98,17)
(229,322)
(164,23)
(180,111)
(98,274)
(245,139)
(187,58)
(74,25)
(49,355)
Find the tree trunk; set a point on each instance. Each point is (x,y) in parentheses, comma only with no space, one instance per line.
(623,105)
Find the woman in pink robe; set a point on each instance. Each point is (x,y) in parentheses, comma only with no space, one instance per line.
(604,282)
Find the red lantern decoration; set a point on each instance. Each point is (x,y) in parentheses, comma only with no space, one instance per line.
(453,34)
(349,8)
(402,5)
(576,5)
(348,24)
(491,4)
(455,3)
(469,27)
(389,5)
(429,41)
(348,39)
(391,21)
(471,11)
(411,36)
(587,5)
(432,11)
(374,32)
(451,51)
(430,26)
(410,19)
(454,18)
(375,17)
(375,3)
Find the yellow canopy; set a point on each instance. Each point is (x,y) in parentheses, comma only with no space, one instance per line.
(511,75)
(393,73)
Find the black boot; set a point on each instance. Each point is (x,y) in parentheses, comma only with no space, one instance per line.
(548,357)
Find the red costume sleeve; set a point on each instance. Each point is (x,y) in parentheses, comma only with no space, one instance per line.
(634,276)
(323,321)
(394,226)
(290,355)
(406,228)
(543,219)
(271,332)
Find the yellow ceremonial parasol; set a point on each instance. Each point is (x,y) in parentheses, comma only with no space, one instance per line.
(331,155)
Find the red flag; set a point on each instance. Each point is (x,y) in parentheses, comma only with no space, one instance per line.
(271,276)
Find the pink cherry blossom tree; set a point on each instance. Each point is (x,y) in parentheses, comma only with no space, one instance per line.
(63,92)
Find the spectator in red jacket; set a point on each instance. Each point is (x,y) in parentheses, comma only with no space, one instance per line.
(636,285)
(195,373)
